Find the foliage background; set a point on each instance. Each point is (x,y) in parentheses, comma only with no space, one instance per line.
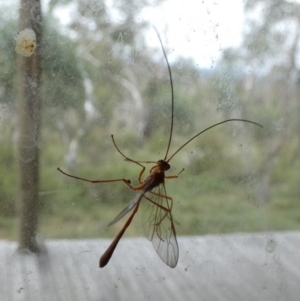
(101,78)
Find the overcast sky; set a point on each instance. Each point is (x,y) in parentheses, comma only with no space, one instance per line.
(198,29)
(192,28)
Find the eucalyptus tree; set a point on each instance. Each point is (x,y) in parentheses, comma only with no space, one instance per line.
(267,62)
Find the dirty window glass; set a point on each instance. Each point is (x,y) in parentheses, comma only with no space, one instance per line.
(234,206)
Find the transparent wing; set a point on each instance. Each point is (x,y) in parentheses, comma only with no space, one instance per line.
(159,226)
(128,208)
(130,205)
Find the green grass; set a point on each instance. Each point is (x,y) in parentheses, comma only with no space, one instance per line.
(210,197)
(202,205)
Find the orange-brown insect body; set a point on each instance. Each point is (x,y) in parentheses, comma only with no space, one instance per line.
(157,175)
(160,227)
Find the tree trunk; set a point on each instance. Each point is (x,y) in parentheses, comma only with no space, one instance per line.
(268,167)
(29,79)
(286,109)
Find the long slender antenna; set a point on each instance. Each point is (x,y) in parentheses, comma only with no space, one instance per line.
(172,93)
(119,151)
(212,126)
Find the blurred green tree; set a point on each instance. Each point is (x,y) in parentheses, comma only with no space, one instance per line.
(270,72)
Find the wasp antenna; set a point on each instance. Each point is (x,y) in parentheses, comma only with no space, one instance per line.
(117,148)
(210,127)
(172,92)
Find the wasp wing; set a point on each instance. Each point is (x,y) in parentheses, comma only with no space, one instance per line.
(159,226)
(131,204)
